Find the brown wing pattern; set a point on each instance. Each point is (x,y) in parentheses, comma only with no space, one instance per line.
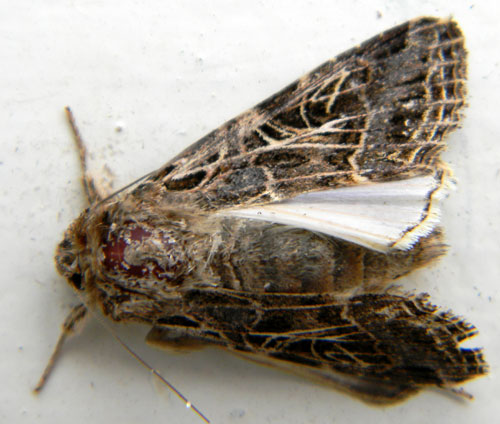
(385,346)
(377,112)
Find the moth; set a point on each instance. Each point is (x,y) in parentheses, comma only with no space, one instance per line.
(279,235)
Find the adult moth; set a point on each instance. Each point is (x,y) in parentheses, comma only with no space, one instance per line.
(278,234)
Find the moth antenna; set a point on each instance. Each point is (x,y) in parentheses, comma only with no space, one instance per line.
(92,194)
(460,392)
(152,370)
(88,182)
(75,317)
(70,326)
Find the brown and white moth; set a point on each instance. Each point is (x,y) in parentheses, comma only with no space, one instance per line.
(276,235)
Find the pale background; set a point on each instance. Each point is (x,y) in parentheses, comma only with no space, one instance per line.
(168,72)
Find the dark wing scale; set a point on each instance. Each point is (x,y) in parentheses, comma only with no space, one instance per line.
(375,113)
(381,346)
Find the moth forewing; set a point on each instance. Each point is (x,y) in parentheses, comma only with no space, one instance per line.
(277,234)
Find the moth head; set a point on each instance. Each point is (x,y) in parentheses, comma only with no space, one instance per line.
(68,253)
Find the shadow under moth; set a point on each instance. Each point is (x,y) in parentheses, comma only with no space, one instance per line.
(280,234)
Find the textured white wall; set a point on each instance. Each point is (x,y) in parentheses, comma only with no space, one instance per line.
(169,72)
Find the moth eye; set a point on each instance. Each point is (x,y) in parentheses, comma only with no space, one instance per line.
(76,280)
(65,244)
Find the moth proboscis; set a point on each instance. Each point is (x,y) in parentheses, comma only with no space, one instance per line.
(276,235)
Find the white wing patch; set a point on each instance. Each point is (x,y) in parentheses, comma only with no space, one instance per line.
(379,216)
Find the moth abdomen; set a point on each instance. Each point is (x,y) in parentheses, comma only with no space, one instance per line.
(262,256)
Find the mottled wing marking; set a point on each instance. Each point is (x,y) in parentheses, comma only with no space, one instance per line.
(378,112)
(400,341)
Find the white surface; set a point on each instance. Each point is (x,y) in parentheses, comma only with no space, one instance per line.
(168,72)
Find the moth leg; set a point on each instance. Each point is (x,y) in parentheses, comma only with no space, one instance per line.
(93,192)
(69,327)
(175,339)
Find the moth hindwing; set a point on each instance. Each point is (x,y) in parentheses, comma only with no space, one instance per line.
(277,234)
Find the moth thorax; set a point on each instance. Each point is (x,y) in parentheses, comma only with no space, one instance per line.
(137,251)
